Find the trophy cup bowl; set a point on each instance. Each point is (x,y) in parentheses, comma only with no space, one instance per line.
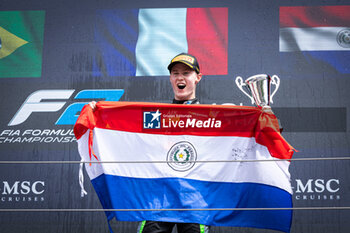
(258,88)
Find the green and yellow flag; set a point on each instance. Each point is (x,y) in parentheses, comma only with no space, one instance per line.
(21,43)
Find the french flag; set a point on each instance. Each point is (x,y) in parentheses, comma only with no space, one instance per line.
(320,33)
(164,153)
(141,42)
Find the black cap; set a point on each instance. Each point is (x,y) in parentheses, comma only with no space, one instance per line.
(186,59)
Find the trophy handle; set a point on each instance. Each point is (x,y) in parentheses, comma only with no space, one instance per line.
(240,84)
(276,81)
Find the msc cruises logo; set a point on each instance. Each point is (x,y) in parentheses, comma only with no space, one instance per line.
(151,120)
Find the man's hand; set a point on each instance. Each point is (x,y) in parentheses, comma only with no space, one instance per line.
(267,109)
(93,105)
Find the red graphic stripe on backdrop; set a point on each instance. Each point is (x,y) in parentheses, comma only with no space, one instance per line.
(315,16)
(207,38)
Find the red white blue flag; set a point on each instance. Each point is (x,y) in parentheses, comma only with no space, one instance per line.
(316,35)
(165,151)
(141,42)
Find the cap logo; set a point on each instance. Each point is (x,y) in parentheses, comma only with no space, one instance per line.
(184,58)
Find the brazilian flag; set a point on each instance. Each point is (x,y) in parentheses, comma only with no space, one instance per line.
(21,43)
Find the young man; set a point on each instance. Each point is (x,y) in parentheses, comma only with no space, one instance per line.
(184,77)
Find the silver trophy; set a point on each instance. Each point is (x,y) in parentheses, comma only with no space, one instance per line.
(258,88)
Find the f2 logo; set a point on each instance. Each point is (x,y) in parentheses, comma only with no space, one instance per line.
(69,116)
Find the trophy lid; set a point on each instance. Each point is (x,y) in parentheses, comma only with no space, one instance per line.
(257,77)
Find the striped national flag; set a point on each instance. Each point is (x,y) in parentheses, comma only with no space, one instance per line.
(141,42)
(316,35)
(178,138)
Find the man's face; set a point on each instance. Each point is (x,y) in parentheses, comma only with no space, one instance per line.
(183,81)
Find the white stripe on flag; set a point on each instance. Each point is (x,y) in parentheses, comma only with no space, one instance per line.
(310,39)
(111,145)
(162,35)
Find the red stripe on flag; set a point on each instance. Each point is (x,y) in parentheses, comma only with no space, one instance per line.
(207,38)
(315,16)
(235,121)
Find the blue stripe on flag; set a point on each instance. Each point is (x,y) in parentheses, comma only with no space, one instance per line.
(302,63)
(116,33)
(340,60)
(162,193)
(162,35)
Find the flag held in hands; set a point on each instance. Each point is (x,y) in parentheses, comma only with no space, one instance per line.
(162,147)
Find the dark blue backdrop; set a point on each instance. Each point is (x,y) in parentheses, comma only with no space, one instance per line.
(312,105)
